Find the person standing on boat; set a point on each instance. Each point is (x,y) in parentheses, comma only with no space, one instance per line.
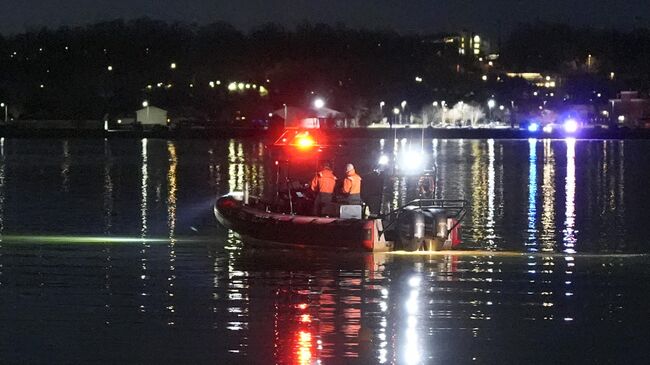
(352,186)
(323,185)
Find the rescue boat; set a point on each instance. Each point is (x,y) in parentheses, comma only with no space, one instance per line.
(423,223)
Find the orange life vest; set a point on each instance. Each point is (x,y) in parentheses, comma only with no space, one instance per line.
(324,181)
(352,183)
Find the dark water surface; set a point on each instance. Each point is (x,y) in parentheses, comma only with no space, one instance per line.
(110,254)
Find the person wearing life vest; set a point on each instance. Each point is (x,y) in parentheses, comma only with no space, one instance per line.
(352,186)
(323,185)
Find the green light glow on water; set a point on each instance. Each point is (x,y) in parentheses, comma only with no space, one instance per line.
(79,240)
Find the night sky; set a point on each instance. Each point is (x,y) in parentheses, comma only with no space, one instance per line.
(402,15)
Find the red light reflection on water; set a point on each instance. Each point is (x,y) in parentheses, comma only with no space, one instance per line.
(304,347)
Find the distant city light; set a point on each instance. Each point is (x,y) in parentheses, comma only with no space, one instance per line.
(403,104)
(535,93)
(232,86)
(533,127)
(211,83)
(491,103)
(319,103)
(145,104)
(490,63)
(418,79)
(270,115)
(240,86)
(501,107)
(263,91)
(218,82)
(395,110)
(435,104)
(173,65)
(484,77)
(383,160)
(548,128)
(109,68)
(621,118)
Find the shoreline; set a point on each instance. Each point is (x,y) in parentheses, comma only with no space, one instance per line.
(224,133)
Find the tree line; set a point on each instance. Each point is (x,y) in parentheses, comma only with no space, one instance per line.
(109,68)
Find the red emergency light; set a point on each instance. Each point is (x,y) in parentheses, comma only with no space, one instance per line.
(301,139)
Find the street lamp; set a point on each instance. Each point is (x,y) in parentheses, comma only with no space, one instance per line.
(285,114)
(381,106)
(145,104)
(491,103)
(319,103)
(395,113)
(3,105)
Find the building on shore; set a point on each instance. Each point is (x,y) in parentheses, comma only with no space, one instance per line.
(630,110)
(151,116)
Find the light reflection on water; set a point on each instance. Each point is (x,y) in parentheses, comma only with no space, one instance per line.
(201,296)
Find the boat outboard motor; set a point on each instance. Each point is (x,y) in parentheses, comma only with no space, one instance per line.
(411,230)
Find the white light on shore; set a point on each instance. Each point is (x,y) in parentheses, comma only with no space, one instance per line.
(570,125)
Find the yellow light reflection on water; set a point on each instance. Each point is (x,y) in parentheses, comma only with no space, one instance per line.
(491,193)
(171,222)
(143,188)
